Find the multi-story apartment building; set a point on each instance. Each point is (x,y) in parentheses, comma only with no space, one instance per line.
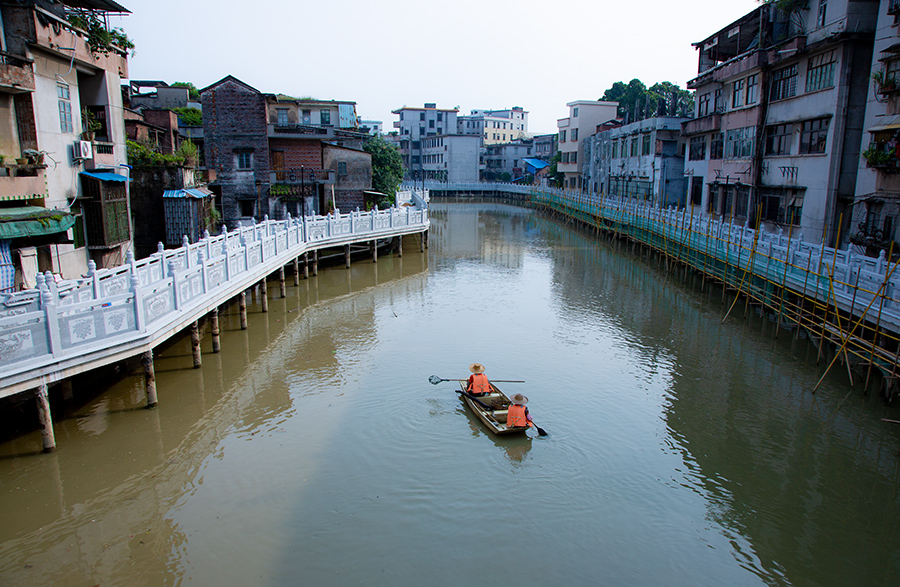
(68,202)
(544,147)
(452,158)
(584,116)
(375,127)
(505,161)
(876,206)
(780,102)
(495,126)
(415,124)
(642,160)
(269,161)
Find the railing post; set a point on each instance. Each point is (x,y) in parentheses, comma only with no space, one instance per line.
(139,318)
(95,279)
(186,245)
(51,318)
(201,259)
(175,289)
(225,254)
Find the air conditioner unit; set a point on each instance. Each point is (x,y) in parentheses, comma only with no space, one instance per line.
(82,150)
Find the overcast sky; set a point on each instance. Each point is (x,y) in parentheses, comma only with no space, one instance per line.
(386,54)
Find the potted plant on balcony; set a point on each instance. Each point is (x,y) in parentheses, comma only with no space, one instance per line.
(877,156)
(89,124)
(34,157)
(884,82)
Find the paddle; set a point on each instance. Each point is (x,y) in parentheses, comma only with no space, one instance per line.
(434,380)
(474,399)
(541,431)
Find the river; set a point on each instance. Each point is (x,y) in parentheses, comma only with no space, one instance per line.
(313,450)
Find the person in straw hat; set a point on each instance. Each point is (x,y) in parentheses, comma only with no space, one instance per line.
(478,383)
(518,416)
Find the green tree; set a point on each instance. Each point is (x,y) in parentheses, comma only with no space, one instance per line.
(189,115)
(193,92)
(637,101)
(387,166)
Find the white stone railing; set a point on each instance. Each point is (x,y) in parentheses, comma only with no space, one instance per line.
(846,278)
(76,319)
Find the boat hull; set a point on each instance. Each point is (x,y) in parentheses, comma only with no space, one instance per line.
(494,415)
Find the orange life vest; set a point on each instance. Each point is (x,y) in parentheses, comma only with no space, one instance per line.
(478,383)
(517,416)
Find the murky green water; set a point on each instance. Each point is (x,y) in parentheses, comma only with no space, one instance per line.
(313,450)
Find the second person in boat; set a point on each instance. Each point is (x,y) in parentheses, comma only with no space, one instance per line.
(478,383)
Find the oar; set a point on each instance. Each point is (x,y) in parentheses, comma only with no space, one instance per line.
(541,431)
(434,380)
(474,399)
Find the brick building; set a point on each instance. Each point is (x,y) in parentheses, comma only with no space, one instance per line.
(269,158)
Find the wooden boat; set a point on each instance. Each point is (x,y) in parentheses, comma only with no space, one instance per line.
(491,409)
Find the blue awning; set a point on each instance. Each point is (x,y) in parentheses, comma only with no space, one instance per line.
(535,164)
(196,193)
(105,175)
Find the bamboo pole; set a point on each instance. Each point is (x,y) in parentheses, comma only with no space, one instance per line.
(787,260)
(858,322)
(877,324)
(749,266)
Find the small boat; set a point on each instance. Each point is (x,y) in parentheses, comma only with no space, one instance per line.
(491,409)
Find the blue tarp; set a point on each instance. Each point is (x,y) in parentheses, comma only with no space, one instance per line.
(534,164)
(105,176)
(197,193)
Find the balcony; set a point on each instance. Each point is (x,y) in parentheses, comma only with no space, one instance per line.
(710,123)
(22,182)
(301,177)
(893,7)
(55,34)
(288,131)
(16,74)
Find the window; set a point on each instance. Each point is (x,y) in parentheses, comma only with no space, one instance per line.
(739,142)
(562,136)
(431,124)
(324,117)
(634,146)
(615,150)
(752,89)
(246,208)
(575,112)
(813,135)
(65,108)
(698,149)
(573,157)
(574,134)
(820,17)
(703,105)
(440,116)
(421,116)
(342,168)
(737,94)
(778,139)
(696,190)
(306,116)
(243,158)
(784,83)
(720,103)
(282,114)
(645,143)
(820,72)
(783,206)
(717,146)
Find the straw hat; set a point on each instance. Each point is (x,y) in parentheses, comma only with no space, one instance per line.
(519,399)
(476,368)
